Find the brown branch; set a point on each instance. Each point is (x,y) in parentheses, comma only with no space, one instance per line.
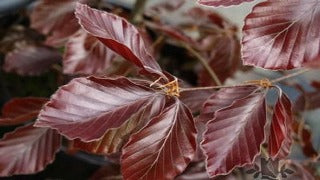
(249,82)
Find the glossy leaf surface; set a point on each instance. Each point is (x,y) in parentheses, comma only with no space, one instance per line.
(119,35)
(163,148)
(282,34)
(87,107)
(115,138)
(281,128)
(31,60)
(195,99)
(20,110)
(85,54)
(222,2)
(234,135)
(28,150)
(224,98)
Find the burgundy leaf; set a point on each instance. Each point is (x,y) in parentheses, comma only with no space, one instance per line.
(85,54)
(282,34)
(281,128)
(224,98)
(20,110)
(316,84)
(234,135)
(170,31)
(223,58)
(163,148)
(115,138)
(222,2)
(195,99)
(28,150)
(31,60)
(56,19)
(86,108)
(119,35)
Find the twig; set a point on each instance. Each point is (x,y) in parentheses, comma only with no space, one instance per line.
(250,83)
(137,13)
(214,87)
(290,75)
(205,64)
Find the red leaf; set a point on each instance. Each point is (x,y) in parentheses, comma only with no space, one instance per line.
(195,99)
(114,139)
(234,135)
(224,98)
(27,150)
(281,128)
(31,60)
(282,34)
(223,57)
(85,54)
(119,35)
(222,2)
(87,107)
(163,148)
(56,19)
(20,110)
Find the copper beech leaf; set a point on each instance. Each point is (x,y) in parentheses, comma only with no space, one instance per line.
(223,58)
(86,108)
(85,54)
(31,60)
(282,34)
(113,140)
(20,110)
(163,148)
(281,127)
(222,2)
(28,150)
(223,98)
(234,134)
(195,99)
(119,35)
(55,19)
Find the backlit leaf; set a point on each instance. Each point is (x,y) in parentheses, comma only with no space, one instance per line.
(222,2)
(282,34)
(281,128)
(28,150)
(85,54)
(119,35)
(234,135)
(115,138)
(86,108)
(20,110)
(31,60)
(163,148)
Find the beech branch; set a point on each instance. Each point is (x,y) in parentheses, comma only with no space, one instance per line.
(246,83)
